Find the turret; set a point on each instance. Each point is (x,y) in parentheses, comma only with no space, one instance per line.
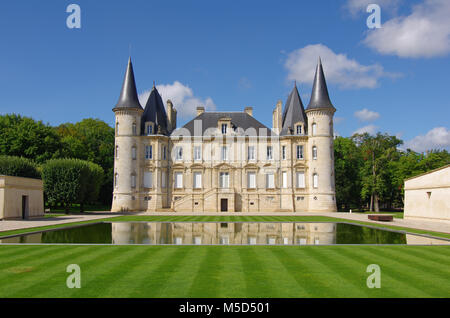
(128,112)
(320,113)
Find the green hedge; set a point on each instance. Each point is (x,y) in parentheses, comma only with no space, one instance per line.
(18,167)
(68,181)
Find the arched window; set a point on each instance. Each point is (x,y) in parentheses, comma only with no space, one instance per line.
(133,152)
(117,128)
(315,180)
(314,152)
(134,129)
(133,180)
(314,128)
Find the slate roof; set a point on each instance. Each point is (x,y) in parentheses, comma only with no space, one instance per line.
(294,112)
(319,95)
(155,112)
(238,120)
(128,96)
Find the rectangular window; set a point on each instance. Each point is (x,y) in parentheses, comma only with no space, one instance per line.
(224,179)
(251,180)
(197,153)
(134,131)
(133,181)
(252,240)
(270,181)
(284,179)
(314,152)
(300,179)
(149,129)
(148,152)
(117,151)
(197,180)
(179,153)
(283,152)
(224,153)
(299,152)
(178,180)
(163,179)
(299,130)
(224,128)
(148,179)
(315,180)
(197,240)
(164,152)
(251,153)
(314,128)
(133,153)
(269,153)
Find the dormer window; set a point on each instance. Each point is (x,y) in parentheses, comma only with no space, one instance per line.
(299,129)
(224,128)
(148,129)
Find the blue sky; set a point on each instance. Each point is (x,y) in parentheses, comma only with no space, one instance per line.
(227,55)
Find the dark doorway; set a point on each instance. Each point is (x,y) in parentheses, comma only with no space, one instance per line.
(24,207)
(223,205)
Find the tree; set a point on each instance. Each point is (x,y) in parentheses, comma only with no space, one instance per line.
(377,151)
(19,167)
(347,163)
(91,140)
(25,137)
(69,181)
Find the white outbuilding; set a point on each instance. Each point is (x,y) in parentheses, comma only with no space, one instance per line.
(21,198)
(427,196)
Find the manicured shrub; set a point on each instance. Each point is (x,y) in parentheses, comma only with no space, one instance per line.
(69,181)
(18,167)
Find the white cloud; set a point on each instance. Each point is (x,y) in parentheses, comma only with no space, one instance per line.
(356,7)
(436,138)
(182,97)
(370,129)
(366,115)
(338,68)
(423,33)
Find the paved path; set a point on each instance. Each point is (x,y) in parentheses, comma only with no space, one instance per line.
(7,225)
(437,226)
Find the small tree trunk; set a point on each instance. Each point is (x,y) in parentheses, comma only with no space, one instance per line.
(377,207)
(371,203)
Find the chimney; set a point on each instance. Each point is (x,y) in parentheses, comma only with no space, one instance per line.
(276,117)
(200,110)
(249,110)
(171,115)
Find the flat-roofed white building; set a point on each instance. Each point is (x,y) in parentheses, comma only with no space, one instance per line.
(21,198)
(427,196)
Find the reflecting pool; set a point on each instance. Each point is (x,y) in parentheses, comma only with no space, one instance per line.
(223,233)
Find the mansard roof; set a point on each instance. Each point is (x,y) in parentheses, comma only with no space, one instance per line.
(155,112)
(240,120)
(128,96)
(293,113)
(319,95)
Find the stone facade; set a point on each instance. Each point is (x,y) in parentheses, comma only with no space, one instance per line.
(427,196)
(223,161)
(21,198)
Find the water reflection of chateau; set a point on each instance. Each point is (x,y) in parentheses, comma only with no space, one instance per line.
(224,233)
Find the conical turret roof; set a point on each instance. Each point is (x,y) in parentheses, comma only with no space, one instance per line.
(293,113)
(155,112)
(128,96)
(319,95)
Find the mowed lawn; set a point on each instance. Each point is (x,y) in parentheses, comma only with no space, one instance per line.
(224,271)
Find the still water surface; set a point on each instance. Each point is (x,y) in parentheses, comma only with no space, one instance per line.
(232,233)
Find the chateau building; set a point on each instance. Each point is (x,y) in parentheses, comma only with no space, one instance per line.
(224,161)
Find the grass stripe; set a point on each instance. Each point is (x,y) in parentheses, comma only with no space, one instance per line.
(208,277)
